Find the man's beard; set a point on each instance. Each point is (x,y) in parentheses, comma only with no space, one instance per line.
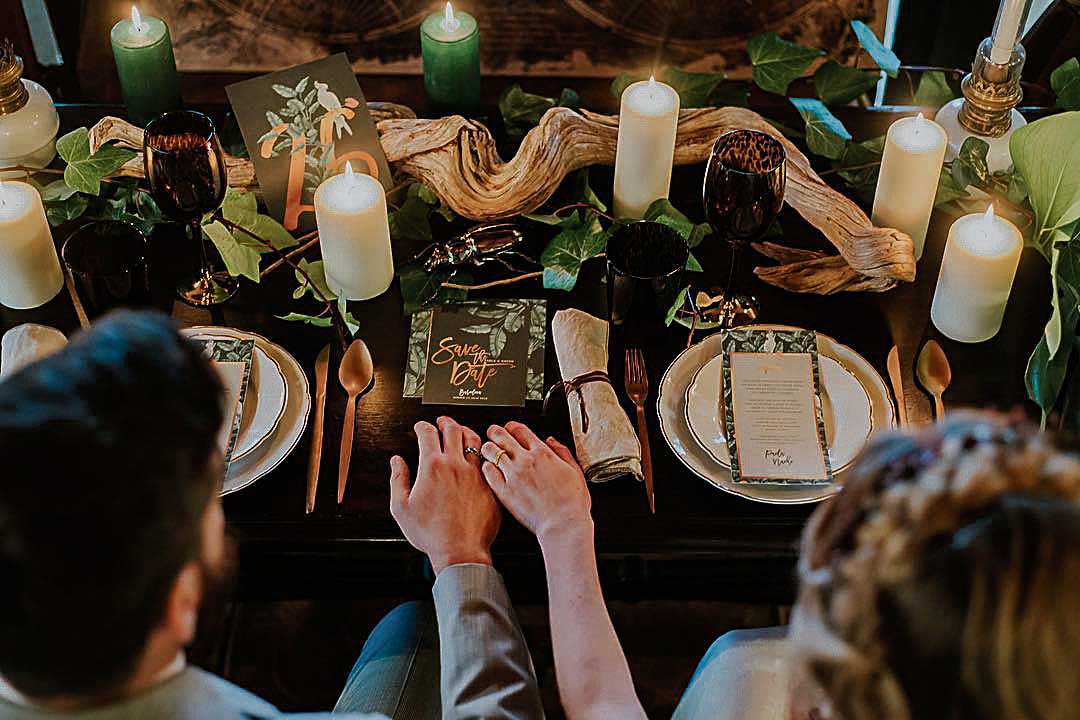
(218,583)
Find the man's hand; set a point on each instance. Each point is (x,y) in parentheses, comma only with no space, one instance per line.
(539,482)
(448,513)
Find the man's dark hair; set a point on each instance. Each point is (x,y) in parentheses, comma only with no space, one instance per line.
(105,450)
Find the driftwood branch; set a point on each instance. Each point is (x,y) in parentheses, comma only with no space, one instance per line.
(457,158)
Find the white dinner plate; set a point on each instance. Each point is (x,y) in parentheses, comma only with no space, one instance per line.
(269,454)
(671,409)
(844,402)
(264,402)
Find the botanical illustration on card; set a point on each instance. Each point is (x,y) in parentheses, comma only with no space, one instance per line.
(500,325)
(301,126)
(232,358)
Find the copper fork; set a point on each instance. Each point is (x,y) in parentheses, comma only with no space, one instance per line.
(636,381)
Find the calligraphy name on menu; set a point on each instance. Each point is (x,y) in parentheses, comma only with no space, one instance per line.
(469,362)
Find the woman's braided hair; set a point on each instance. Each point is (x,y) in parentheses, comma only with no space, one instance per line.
(944,581)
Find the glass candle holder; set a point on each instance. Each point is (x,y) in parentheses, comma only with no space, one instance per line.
(110,265)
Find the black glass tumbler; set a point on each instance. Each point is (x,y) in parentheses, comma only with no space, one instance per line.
(645,263)
(110,265)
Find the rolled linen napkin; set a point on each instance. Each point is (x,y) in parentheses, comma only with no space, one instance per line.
(27,343)
(604,439)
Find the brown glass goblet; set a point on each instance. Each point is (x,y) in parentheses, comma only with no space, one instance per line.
(743,193)
(186,171)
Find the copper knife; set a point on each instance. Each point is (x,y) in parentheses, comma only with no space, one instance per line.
(322,368)
(897,382)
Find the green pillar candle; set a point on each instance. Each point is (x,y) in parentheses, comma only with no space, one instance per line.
(450,45)
(144,60)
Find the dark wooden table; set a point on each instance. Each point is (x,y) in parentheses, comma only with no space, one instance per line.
(701,543)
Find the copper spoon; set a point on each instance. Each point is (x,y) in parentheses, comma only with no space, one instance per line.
(357,375)
(934,374)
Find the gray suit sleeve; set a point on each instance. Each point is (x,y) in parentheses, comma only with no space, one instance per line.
(486,671)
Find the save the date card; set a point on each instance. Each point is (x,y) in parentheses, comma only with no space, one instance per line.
(478,353)
(301,126)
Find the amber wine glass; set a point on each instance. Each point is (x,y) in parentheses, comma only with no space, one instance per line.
(743,193)
(186,171)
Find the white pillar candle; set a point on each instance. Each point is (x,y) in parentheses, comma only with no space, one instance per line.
(648,121)
(1007,28)
(977,271)
(907,183)
(354,234)
(30,272)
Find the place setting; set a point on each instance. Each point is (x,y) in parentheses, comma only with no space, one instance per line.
(378,246)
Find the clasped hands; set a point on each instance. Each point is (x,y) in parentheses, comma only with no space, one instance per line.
(450,511)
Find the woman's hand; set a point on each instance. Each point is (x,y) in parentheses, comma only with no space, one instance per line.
(539,482)
(448,513)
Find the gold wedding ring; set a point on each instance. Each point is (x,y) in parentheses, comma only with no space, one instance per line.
(498,457)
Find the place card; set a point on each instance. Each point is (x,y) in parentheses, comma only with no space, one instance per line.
(478,353)
(232,359)
(300,126)
(772,407)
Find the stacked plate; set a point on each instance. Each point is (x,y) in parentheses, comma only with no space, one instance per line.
(275,408)
(855,401)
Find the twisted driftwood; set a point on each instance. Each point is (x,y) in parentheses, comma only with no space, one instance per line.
(458,160)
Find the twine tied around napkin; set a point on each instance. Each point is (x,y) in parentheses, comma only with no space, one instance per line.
(604,440)
(569,387)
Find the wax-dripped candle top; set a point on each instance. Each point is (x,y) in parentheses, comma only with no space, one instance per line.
(919,135)
(14,199)
(449,26)
(650,97)
(138,31)
(351,191)
(986,235)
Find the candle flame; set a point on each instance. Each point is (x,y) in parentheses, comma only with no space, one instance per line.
(652,81)
(136,19)
(3,194)
(449,22)
(988,217)
(348,170)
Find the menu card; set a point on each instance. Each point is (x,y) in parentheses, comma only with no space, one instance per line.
(773,416)
(478,353)
(232,359)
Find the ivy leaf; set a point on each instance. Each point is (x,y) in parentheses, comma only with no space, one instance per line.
(694,88)
(1065,82)
(777,62)
(420,288)
(933,90)
(521,111)
(948,190)
(859,164)
(680,300)
(323,321)
(239,259)
(274,232)
(969,167)
(412,220)
(839,85)
(692,264)
(562,258)
(351,323)
(317,271)
(825,134)
(662,211)
(84,170)
(240,207)
(57,190)
(61,211)
(884,57)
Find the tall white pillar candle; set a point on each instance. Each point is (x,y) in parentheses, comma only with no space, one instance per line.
(1007,28)
(354,234)
(648,121)
(976,277)
(30,272)
(907,183)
